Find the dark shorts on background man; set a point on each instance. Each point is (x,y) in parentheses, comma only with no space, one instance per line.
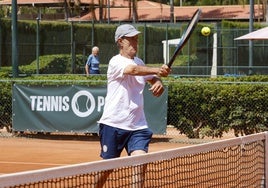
(94,72)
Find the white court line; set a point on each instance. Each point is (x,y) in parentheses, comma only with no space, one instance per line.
(28,163)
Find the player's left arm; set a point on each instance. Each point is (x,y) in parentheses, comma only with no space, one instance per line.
(157,87)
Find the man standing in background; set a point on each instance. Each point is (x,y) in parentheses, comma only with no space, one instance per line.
(92,64)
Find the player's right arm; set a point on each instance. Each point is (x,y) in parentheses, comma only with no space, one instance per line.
(138,70)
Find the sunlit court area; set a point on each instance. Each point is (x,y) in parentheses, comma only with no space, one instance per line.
(31,152)
(199,83)
(62,162)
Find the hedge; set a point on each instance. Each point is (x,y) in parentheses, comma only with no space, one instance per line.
(197,107)
(200,109)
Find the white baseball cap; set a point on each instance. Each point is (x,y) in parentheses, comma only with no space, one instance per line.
(126,30)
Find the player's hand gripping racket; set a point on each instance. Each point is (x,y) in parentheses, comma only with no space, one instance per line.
(186,35)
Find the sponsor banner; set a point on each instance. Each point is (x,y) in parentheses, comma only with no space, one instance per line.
(73,108)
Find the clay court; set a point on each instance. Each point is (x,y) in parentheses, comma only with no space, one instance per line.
(31,152)
(40,151)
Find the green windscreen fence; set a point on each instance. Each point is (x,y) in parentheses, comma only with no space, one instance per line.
(74,108)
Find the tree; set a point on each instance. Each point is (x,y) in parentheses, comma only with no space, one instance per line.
(206,2)
(70,8)
(92,10)
(223,2)
(133,6)
(101,10)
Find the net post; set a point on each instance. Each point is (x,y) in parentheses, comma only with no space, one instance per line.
(266,161)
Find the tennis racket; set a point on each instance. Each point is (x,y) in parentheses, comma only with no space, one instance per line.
(186,35)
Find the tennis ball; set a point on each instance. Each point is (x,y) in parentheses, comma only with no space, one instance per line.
(205,31)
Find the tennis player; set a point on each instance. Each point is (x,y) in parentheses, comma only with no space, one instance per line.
(123,124)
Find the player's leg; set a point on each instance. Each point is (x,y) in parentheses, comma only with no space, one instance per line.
(137,152)
(112,141)
(138,145)
(100,179)
(139,141)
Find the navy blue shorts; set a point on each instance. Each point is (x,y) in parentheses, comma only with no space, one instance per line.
(114,140)
(94,71)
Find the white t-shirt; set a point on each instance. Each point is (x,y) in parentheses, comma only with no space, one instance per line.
(124,100)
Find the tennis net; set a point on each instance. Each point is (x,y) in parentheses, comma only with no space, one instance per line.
(236,162)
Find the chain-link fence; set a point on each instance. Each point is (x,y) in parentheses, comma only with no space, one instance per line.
(216,54)
(196,110)
(6,105)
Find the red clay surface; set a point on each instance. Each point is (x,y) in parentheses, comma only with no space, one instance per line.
(34,152)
